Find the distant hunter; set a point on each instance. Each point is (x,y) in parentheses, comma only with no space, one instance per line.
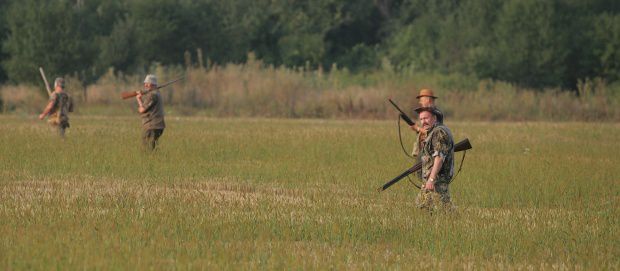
(58,107)
(151,109)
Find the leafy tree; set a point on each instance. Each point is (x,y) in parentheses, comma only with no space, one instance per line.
(606,39)
(529,44)
(417,31)
(353,41)
(165,29)
(118,50)
(3,35)
(49,34)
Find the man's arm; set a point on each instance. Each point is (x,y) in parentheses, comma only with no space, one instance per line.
(441,146)
(47,110)
(437,163)
(141,108)
(148,104)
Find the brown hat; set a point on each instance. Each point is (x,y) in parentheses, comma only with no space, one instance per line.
(425,92)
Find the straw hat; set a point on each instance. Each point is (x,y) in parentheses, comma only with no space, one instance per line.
(425,92)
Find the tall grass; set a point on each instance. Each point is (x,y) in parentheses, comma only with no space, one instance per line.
(254,89)
(300,194)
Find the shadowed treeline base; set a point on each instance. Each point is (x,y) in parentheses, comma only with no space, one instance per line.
(257,90)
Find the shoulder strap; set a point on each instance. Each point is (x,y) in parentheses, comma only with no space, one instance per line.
(460,167)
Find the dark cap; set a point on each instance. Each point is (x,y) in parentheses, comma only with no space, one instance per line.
(431,109)
(59,82)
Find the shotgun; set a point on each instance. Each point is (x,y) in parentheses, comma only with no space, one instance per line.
(128,94)
(47,85)
(461,146)
(406,118)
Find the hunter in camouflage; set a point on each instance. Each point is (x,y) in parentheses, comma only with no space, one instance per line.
(58,107)
(437,155)
(151,109)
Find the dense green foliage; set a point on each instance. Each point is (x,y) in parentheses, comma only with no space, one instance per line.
(300,194)
(531,43)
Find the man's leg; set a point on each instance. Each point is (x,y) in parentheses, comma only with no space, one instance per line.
(444,196)
(156,134)
(147,139)
(427,200)
(61,128)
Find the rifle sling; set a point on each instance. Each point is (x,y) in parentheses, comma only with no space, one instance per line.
(460,167)
(400,138)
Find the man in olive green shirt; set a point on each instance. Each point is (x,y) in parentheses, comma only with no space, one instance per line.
(58,107)
(151,109)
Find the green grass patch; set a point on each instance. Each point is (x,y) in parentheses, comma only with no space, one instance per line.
(301,194)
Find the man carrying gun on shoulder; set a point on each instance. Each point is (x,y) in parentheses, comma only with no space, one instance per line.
(58,107)
(151,109)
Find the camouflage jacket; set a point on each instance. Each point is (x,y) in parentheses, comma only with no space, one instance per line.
(439,142)
(153,116)
(420,138)
(62,105)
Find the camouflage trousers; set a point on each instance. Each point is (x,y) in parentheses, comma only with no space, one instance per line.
(150,137)
(435,200)
(60,123)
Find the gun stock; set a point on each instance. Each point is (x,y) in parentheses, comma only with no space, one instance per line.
(128,94)
(463,145)
(404,116)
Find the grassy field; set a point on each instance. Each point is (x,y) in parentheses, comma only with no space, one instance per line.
(301,194)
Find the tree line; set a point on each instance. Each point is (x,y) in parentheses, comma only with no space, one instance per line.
(531,43)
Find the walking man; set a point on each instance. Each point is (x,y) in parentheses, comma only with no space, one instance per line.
(151,109)
(58,107)
(437,155)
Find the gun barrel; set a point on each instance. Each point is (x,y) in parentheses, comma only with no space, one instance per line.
(128,94)
(462,145)
(406,118)
(47,85)
(171,82)
(412,169)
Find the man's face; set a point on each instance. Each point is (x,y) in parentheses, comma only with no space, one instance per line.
(426,101)
(427,119)
(148,86)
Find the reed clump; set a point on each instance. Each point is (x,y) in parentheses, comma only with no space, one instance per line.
(253,89)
